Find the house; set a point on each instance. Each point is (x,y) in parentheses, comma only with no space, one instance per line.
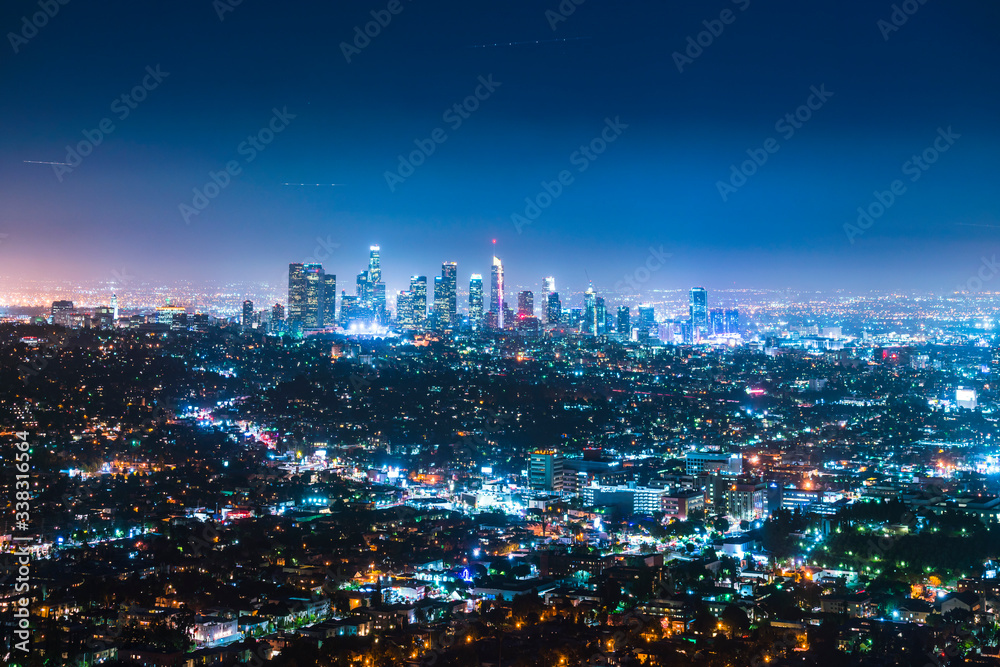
(967,601)
(913,611)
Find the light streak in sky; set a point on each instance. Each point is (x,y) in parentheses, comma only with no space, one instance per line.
(535,41)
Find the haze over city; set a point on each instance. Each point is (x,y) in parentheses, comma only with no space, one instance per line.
(383,333)
(557,80)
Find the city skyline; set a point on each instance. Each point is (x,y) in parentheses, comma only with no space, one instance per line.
(667,175)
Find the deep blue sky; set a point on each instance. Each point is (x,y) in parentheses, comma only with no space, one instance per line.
(656,185)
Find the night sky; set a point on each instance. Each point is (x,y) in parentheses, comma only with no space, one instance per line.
(655,185)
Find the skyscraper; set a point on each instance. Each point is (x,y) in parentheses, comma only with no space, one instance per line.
(553,309)
(305,296)
(449,284)
(114,308)
(526,304)
(647,322)
(589,324)
(496,291)
(600,317)
(418,290)
(733,321)
(247,314)
(374,264)
(329,300)
(404,309)
(476,301)
(699,310)
(379,303)
(716,322)
(438,315)
(624,323)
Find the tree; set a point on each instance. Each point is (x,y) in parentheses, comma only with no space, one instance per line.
(735,620)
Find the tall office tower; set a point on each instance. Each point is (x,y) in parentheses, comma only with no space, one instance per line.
(296,296)
(496,291)
(716,322)
(624,323)
(548,285)
(438,308)
(350,309)
(404,310)
(305,296)
(553,309)
(418,288)
(699,309)
(589,324)
(374,265)
(600,316)
(277,317)
(732,321)
(526,304)
(329,300)
(114,307)
(476,301)
(647,322)
(60,307)
(545,470)
(247,314)
(315,287)
(449,283)
(379,303)
(507,319)
(363,289)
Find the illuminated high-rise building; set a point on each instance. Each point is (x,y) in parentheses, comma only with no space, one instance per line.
(496,291)
(553,309)
(374,264)
(448,315)
(476,301)
(329,300)
(404,310)
(698,306)
(247,314)
(732,321)
(60,311)
(277,318)
(548,285)
(526,304)
(624,323)
(589,324)
(418,291)
(305,296)
(647,323)
(114,307)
